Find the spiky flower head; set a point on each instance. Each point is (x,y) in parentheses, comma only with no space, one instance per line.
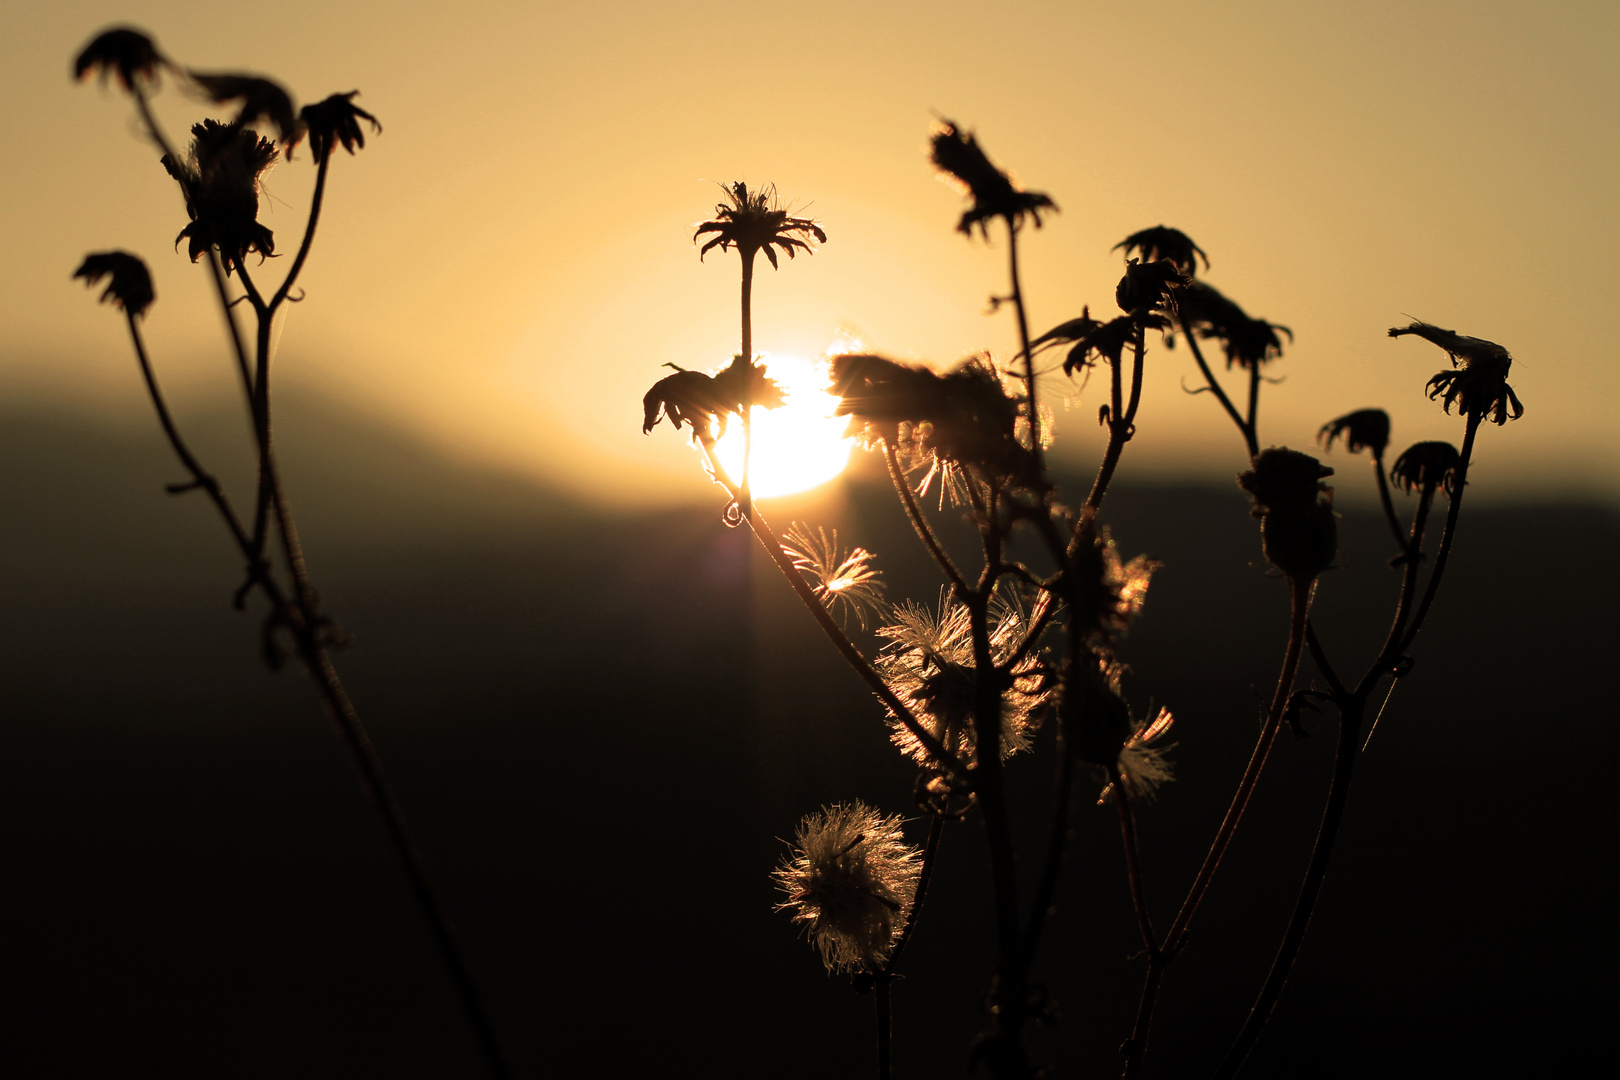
(1298,530)
(956,153)
(753,221)
(1479,388)
(129,285)
(1248,342)
(850,882)
(123,52)
(702,402)
(1426,466)
(1163,242)
(1362,429)
(843,581)
(929,665)
(221,182)
(335,121)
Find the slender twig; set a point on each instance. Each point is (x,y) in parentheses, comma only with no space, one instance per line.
(926,534)
(1220,394)
(309,233)
(1133,870)
(885,977)
(1121,424)
(1459,483)
(1024,350)
(1388,504)
(1253,425)
(1057,842)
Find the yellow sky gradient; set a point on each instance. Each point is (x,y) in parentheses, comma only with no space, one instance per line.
(505,268)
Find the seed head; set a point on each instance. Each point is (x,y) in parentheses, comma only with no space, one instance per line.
(1479,388)
(850,882)
(842,580)
(335,121)
(221,182)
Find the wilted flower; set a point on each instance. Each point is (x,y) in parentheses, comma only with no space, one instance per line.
(1108,591)
(1297,527)
(261,99)
(129,285)
(1248,342)
(335,121)
(1163,242)
(220,179)
(124,52)
(754,221)
(1426,465)
(692,397)
(850,883)
(1147,287)
(1093,339)
(965,416)
(1480,388)
(957,153)
(840,578)
(928,664)
(1360,430)
(1142,766)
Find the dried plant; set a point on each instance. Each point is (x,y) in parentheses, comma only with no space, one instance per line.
(1026,645)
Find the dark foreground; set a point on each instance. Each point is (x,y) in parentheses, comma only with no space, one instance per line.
(601,723)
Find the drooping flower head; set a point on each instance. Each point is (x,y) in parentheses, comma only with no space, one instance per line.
(122,52)
(1479,387)
(702,402)
(753,221)
(956,153)
(1298,530)
(928,664)
(221,182)
(1148,288)
(1163,242)
(1092,339)
(1426,466)
(850,882)
(261,99)
(1248,342)
(842,580)
(1362,429)
(129,285)
(335,121)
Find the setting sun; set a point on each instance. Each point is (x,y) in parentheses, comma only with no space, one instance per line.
(797,446)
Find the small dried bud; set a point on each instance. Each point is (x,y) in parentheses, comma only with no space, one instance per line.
(1298,530)
(129,286)
(1426,465)
(1146,287)
(1360,430)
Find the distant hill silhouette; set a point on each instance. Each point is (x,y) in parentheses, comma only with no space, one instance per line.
(601,722)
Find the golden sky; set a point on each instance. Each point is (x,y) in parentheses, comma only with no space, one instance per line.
(505,268)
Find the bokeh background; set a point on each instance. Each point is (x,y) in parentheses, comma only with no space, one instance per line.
(601,709)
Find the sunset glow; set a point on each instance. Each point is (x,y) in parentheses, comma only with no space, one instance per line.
(797,446)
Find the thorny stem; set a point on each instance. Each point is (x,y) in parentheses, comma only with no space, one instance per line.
(926,534)
(1344,762)
(1249,438)
(1300,592)
(943,759)
(1023,343)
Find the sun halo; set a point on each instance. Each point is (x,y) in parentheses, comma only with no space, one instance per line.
(798,446)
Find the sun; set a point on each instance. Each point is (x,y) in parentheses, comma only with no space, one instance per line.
(798,446)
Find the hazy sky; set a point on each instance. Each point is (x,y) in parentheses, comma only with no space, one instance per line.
(505,268)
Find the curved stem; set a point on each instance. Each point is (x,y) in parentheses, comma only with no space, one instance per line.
(1220,394)
(1024,349)
(1133,870)
(238,346)
(1459,485)
(908,500)
(1121,425)
(1387,503)
(145,109)
(1344,764)
(309,234)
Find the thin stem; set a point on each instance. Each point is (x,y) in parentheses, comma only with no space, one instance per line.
(1121,426)
(1057,841)
(936,829)
(885,1026)
(745,498)
(145,109)
(1253,426)
(1024,350)
(942,758)
(309,234)
(926,534)
(1323,664)
(1133,870)
(1135,1048)
(238,346)
(1220,395)
(1300,591)
(1344,764)
(1387,503)
(1459,483)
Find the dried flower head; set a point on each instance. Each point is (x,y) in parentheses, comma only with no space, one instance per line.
(1147,288)
(1108,591)
(1298,530)
(221,182)
(1362,429)
(842,580)
(1248,342)
(1163,242)
(1480,387)
(123,52)
(1093,339)
(755,221)
(262,99)
(129,286)
(702,402)
(1142,766)
(928,663)
(1426,466)
(956,153)
(849,883)
(335,121)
